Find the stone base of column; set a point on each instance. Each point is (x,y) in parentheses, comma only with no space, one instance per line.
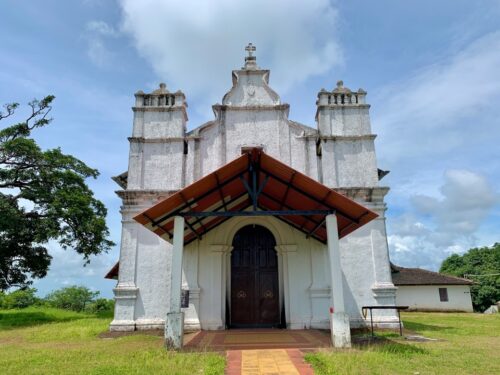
(174,330)
(340,329)
(122,326)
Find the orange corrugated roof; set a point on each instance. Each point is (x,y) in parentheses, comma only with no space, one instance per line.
(285,189)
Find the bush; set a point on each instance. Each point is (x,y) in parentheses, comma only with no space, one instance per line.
(19,299)
(101,305)
(76,298)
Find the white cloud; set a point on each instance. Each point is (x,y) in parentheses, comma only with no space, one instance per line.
(445,106)
(453,220)
(467,200)
(95,34)
(193,46)
(101,27)
(97,52)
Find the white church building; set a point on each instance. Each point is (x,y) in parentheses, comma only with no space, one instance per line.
(252,220)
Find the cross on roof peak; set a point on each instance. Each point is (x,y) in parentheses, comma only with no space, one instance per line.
(250,48)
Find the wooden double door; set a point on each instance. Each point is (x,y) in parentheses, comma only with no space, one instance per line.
(255,301)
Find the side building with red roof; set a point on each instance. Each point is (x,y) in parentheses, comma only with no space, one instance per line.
(424,290)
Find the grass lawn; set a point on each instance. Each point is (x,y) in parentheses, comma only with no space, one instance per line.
(468,344)
(51,341)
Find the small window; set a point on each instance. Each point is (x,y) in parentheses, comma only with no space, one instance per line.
(443,294)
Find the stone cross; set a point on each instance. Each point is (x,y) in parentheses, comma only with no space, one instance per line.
(250,48)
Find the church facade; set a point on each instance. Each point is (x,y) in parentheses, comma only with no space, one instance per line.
(251,271)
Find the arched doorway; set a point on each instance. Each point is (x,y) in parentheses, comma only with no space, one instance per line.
(254,279)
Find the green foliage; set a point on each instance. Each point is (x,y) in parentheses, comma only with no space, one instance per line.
(101,305)
(43,196)
(19,299)
(75,298)
(481,264)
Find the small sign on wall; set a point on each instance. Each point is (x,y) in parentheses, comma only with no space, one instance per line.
(184,298)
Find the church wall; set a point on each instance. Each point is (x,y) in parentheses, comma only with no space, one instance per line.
(142,291)
(349,162)
(162,165)
(223,141)
(152,267)
(135,161)
(253,128)
(329,175)
(210,151)
(303,153)
(348,121)
(355,163)
(266,129)
(192,162)
(357,263)
(161,123)
(304,273)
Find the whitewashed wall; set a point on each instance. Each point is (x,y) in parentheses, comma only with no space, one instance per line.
(304,277)
(164,158)
(426,297)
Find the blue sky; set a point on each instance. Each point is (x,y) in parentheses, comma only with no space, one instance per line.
(431,69)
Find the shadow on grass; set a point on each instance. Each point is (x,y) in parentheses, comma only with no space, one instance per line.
(419,327)
(19,319)
(383,344)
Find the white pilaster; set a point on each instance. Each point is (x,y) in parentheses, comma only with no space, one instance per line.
(174,324)
(286,252)
(126,290)
(339,319)
(218,285)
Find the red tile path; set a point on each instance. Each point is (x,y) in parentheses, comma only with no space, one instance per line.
(267,361)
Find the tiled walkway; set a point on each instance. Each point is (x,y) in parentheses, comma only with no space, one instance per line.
(241,339)
(267,361)
(262,351)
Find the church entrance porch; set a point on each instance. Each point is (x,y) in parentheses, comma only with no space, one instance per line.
(254,301)
(257,185)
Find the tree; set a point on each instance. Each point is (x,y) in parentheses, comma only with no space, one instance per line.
(19,299)
(481,265)
(43,196)
(74,298)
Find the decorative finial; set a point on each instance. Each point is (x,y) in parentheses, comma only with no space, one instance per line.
(250,60)
(250,49)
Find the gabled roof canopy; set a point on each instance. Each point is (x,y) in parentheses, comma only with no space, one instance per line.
(255,180)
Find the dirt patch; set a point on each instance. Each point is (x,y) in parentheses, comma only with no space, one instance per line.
(151,332)
(14,340)
(116,334)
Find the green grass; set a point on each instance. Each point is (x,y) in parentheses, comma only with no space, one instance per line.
(468,344)
(52,341)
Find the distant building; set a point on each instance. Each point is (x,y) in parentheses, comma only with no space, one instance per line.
(424,290)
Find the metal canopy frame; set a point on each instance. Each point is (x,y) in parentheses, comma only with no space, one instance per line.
(254,191)
(255,171)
